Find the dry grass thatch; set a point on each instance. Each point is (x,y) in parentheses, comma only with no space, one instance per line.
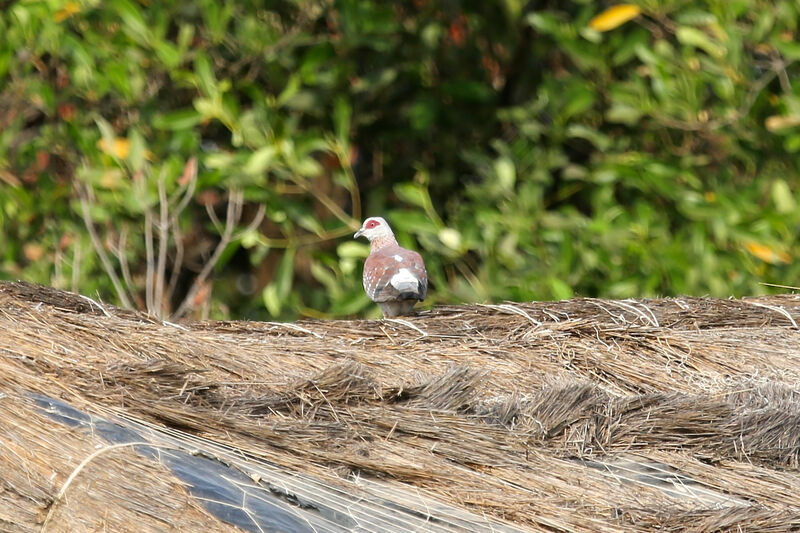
(582,415)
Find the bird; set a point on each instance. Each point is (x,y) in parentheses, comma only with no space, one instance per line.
(394,277)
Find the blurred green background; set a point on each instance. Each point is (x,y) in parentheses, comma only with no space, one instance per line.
(213,158)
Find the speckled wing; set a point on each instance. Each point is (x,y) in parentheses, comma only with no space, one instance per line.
(394,273)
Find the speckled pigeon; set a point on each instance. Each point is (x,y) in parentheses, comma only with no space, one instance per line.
(394,278)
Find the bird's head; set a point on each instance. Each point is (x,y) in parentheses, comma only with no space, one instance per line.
(374,228)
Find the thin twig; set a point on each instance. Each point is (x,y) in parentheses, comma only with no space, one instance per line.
(122,245)
(234,213)
(213,217)
(58,259)
(163,243)
(76,265)
(305,240)
(177,238)
(326,201)
(779,286)
(190,173)
(148,246)
(98,248)
(259,217)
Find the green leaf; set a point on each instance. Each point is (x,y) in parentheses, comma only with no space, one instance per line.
(579,100)
(623,113)
(352,249)
(185,35)
(259,160)
(308,167)
(789,49)
(422,113)
(413,194)
(326,277)
(285,275)
(219,160)
(783,197)
(250,238)
(205,77)
(413,222)
(178,120)
(792,143)
(308,222)
(208,107)
(352,303)
(271,299)
(506,173)
(342,113)
(695,17)
(560,289)
(132,21)
(291,88)
(168,54)
(545,22)
(276,293)
(697,38)
(137,150)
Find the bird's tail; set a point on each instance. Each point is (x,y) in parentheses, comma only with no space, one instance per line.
(409,295)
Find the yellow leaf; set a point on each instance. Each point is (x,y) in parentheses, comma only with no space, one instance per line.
(764,48)
(9,178)
(614,16)
(781,122)
(111,179)
(766,253)
(69,9)
(120,148)
(33,252)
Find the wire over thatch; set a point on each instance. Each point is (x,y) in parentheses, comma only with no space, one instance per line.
(582,415)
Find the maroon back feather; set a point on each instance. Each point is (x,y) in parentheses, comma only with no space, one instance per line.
(383,264)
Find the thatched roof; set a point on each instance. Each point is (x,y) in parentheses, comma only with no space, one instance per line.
(582,415)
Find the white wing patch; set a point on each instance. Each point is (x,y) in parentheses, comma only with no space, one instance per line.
(404,281)
(398,257)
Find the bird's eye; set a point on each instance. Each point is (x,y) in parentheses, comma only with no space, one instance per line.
(372,223)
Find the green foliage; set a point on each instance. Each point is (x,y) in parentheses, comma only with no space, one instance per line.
(527,155)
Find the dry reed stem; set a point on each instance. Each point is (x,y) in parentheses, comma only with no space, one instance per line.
(62,492)
(584,415)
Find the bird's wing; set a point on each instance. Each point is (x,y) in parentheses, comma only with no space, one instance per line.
(395,274)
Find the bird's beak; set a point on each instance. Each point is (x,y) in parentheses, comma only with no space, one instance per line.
(359,233)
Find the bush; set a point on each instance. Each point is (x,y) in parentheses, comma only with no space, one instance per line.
(526,153)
